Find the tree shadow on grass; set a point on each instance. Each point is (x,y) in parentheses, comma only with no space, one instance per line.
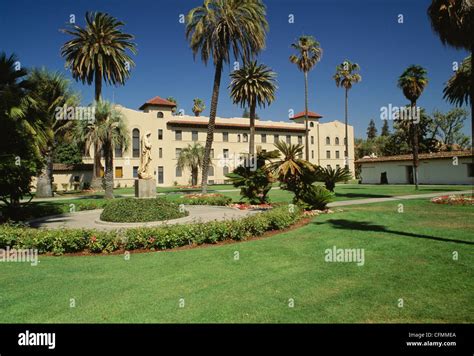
(367,226)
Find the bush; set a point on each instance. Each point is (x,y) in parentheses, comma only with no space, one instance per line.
(205,199)
(152,238)
(141,210)
(314,197)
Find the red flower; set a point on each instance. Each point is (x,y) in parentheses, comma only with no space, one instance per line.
(93,239)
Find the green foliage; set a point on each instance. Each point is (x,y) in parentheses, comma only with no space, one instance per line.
(314,197)
(371,130)
(153,238)
(205,199)
(137,210)
(458,87)
(331,176)
(67,153)
(447,128)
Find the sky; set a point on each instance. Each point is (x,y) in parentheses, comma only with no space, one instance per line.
(367,32)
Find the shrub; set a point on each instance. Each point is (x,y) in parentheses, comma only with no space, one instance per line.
(205,199)
(332,176)
(153,238)
(314,197)
(141,210)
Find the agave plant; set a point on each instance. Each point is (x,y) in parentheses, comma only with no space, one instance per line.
(331,176)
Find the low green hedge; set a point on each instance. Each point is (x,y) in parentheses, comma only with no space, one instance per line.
(141,210)
(153,238)
(205,199)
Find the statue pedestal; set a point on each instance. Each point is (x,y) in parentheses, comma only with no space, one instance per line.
(145,188)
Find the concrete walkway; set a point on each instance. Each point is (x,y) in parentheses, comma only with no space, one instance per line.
(90,219)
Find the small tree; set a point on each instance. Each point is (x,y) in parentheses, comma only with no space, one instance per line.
(192,158)
(198,107)
(371,130)
(385,129)
(332,176)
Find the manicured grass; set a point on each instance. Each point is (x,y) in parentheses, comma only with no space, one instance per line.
(408,255)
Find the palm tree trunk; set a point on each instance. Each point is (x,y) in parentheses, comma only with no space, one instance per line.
(252,132)
(415,146)
(109,171)
(44,185)
(194,176)
(306,150)
(472,98)
(96,183)
(211,125)
(346,153)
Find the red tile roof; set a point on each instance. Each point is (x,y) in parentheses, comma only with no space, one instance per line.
(311,115)
(222,125)
(157,101)
(421,156)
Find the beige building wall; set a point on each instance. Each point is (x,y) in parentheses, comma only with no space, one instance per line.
(164,149)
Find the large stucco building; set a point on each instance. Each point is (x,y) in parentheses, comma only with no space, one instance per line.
(170,133)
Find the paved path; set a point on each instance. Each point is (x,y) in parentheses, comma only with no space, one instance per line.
(401,197)
(90,219)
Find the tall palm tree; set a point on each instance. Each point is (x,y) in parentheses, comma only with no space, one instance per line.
(107,131)
(412,82)
(198,107)
(346,76)
(192,157)
(97,53)
(458,87)
(50,91)
(309,53)
(252,85)
(216,29)
(453,21)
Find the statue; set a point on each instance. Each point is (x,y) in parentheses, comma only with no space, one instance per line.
(145,158)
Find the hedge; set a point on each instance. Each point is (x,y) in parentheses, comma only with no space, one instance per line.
(205,199)
(153,238)
(141,210)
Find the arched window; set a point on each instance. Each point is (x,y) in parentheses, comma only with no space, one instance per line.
(225,170)
(337,140)
(136,143)
(159,115)
(311,124)
(238,137)
(246,137)
(328,140)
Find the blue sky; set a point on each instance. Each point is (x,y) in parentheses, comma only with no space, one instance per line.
(363,31)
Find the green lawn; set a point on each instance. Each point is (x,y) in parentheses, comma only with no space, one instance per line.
(407,255)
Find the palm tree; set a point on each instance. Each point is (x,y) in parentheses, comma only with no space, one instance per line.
(309,53)
(96,53)
(453,21)
(458,86)
(346,75)
(412,82)
(108,131)
(192,157)
(290,167)
(216,29)
(198,107)
(252,85)
(174,109)
(332,176)
(50,91)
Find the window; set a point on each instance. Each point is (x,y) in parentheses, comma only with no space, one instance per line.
(288,139)
(118,172)
(338,166)
(212,153)
(345,141)
(312,154)
(225,170)
(159,115)
(225,136)
(337,154)
(195,135)
(246,137)
(136,143)
(179,172)
(178,135)
(328,140)
(345,154)
(470,169)
(238,137)
(264,138)
(328,154)
(210,172)
(312,140)
(161,174)
(135,171)
(276,138)
(337,140)
(178,152)
(311,124)
(226,153)
(300,140)
(118,151)
(160,152)
(160,134)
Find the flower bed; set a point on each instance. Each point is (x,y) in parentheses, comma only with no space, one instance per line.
(247,206)
(153,238)
(205,199)
(460,199)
